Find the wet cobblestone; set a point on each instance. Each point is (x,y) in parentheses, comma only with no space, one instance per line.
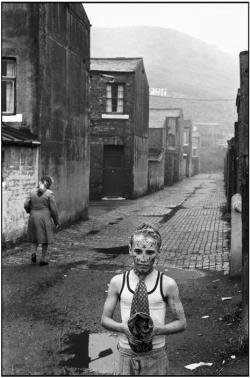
(195,236)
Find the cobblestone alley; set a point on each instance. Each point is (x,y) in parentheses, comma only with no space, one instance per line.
(188,215)
(53,313)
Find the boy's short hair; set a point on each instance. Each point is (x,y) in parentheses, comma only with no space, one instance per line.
(147,230)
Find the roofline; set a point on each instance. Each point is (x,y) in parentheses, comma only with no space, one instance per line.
(118,58)
(124,71)
(21,143)
(139,59)
(165,109)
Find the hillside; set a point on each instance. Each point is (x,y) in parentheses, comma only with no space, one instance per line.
(173,60)
(187,67)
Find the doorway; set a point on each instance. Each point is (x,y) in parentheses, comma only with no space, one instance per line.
(113,171)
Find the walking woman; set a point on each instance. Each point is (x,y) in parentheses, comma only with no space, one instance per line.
(42,208)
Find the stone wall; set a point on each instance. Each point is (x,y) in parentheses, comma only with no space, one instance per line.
(156,174)
(187,149)
(170,158)
(243,113)
(157,138)
(51,42)
(19,176)
(236,173)
(64,102)
(180,130)
(140,171)
(141,128)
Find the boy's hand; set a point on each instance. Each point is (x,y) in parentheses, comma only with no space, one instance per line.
(156,331)
(125,329)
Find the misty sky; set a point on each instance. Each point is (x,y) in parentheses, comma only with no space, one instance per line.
(224,25)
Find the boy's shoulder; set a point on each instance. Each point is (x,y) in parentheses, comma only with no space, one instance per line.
(168,281)
(117,280)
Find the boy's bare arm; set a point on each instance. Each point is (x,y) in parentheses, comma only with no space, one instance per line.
(178,324)
(107,320)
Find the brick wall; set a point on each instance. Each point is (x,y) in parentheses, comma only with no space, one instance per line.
(20,40)
(110,131)
(19,175)
(132,133)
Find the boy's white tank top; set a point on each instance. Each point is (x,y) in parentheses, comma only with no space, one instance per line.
(157,305)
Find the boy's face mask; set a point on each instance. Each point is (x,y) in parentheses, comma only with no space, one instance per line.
(144,251)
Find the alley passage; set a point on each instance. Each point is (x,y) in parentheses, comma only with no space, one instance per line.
(188,214)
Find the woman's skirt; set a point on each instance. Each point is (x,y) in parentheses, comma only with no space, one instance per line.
(40,227)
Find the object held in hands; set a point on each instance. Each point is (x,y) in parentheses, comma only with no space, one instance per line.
(141,328)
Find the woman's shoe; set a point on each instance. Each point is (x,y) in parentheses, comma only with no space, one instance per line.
(42,263)
(33,258)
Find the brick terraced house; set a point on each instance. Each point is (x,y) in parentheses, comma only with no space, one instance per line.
(119,112)
(196,147)
(157,149)
(187,148)
(174,152)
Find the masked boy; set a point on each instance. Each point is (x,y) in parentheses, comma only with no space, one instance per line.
(144,295)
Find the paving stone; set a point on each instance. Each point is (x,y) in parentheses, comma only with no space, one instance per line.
(196,235)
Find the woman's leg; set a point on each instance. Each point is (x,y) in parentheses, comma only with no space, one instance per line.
(44,251)
(33,254)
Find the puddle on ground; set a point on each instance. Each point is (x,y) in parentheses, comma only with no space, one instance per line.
(180,273)
(106,267)
(93,232)
(93,351)
(170,215)
(121,250)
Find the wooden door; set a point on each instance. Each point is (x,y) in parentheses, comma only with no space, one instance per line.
(113,170)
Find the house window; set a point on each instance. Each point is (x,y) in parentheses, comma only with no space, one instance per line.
(115,98)
(8,85)
(171,140)
(171,125)
(171,132)
(186,137)
(195,152)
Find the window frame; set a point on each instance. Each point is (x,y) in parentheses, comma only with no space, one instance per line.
(172,129)
(171,140)
(186,138)
(117,98)
(10,79)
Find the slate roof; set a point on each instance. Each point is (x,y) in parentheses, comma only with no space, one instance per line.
(11,135)
(114,64)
